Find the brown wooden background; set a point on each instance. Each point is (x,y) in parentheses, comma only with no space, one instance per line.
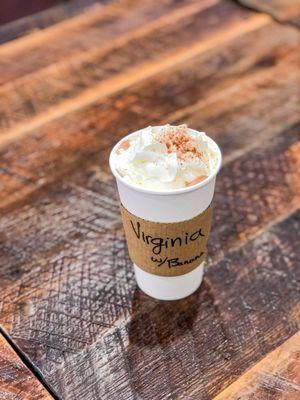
(72,82)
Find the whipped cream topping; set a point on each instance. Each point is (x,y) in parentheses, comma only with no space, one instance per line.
(165,157)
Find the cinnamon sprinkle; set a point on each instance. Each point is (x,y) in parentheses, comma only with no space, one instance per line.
(178,141)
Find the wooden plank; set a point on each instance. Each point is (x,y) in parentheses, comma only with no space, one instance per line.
(16,381)
(281,10)
(122,81)
(51,221)
(67,292)
(71,322)
(24,26)
(94,70)
(79,137)
(275,376)
(70,238)
(241,219)
(97,26)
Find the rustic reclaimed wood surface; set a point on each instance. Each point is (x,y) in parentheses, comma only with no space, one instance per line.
(70,87)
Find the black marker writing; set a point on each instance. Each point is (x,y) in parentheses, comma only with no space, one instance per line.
(159,243)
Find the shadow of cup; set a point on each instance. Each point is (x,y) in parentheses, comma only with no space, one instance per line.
(160,337)
(155,322)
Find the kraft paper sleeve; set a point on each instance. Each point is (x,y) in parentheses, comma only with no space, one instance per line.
(167,249)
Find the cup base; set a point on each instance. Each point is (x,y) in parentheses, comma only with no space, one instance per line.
(169,287)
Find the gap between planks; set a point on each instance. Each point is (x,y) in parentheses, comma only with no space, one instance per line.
(133,76)
(263,7)
(28,364)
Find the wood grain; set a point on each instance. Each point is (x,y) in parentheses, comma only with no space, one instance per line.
(96,72)
(277,376)
(51,221)
(16,381)
(68,298)
(79,136)
(283,11)
(67,267)
(209,338)
(43,19)
(99,25)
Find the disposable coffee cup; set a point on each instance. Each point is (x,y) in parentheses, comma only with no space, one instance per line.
(167,231)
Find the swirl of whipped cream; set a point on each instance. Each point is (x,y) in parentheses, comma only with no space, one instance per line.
(165,157)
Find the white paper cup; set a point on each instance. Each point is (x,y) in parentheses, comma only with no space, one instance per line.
(167,206)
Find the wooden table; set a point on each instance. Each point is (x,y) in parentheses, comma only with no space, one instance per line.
(74,80)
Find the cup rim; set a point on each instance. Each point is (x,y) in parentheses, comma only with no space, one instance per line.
(164,192)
